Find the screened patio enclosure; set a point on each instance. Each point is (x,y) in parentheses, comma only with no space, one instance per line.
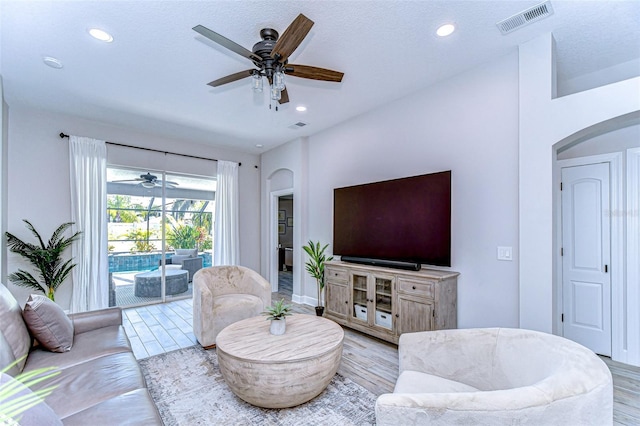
(159,234)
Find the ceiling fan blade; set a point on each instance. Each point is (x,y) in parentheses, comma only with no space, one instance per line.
(284,96)
(127,180)
(313,73)
(231,78)
(225,42)
(291,38)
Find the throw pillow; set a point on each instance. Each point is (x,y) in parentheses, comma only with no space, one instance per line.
(39,414)
(14,335)
(48,323)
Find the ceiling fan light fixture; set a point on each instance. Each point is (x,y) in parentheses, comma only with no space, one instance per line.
(301,108)
(275,93)
(278,80)
(445,30)
(271,57)
(148,184)
(256,83)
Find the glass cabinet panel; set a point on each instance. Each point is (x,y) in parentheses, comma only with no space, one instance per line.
(359,296)
(383,302)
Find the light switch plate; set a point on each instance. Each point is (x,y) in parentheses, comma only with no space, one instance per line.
(505,253)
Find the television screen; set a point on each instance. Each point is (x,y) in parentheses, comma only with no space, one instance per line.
(407,219)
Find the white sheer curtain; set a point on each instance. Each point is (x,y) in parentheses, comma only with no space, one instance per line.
(225,237)
(88,176)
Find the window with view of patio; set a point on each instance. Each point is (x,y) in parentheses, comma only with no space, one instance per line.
(154,216)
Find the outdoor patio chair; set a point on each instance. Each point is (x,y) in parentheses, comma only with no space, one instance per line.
(189,260)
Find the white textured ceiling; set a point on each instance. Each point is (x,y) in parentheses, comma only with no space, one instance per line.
(153,76)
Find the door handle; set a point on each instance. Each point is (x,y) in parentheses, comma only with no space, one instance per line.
(606,268)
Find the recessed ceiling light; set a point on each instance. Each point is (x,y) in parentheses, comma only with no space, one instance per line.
(301,108)
(445,30)
(259,145)
(101,35)
(52,62)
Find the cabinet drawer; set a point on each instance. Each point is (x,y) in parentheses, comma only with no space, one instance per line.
(418,288)
(337,275)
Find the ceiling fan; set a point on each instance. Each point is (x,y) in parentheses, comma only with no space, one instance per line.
(271,56)
(150,181)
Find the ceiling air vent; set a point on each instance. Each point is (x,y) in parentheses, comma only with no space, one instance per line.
(525,17)
(297,125)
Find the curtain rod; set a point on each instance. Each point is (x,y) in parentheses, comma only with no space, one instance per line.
(62,136)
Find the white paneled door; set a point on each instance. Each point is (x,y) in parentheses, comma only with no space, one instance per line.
(586,246)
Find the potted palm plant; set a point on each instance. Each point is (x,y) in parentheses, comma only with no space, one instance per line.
(277,313)
(47,258)
(315,267)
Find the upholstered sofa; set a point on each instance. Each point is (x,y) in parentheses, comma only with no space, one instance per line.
(223,295)
(99,382)
(496,377)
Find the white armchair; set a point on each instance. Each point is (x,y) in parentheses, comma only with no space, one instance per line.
(223,295)
(496,377)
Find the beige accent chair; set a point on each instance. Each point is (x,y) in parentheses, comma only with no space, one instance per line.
(496,376)
(223,295)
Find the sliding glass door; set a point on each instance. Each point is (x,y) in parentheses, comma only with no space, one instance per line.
(160,234)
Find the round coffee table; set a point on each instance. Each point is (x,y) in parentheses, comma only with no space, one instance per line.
(279,371)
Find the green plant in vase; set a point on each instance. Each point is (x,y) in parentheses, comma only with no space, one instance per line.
(277,314)
(47,258)
(315,267)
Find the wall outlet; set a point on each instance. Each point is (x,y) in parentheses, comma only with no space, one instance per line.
(505,253)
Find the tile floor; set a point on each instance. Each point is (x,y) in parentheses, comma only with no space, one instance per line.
(155,329)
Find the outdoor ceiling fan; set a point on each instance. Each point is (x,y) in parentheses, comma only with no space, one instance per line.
(271,56)
(150,181)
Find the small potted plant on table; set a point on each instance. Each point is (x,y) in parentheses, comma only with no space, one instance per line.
(277,313)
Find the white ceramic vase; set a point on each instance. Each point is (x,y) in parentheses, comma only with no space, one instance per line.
(278,326)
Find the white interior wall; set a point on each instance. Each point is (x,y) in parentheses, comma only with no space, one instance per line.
(467,124)
(38,178)
(4,115)
(288,161)
(549,123)
(602,77)
(617,140)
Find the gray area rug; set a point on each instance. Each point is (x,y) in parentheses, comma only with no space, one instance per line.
(188,389)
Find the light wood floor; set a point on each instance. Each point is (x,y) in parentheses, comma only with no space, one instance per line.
(626,392)
(370,362)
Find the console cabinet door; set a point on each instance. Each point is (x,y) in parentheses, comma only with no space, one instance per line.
(383,300)
(337,292)
(337,299)
(414,314)
(359,297)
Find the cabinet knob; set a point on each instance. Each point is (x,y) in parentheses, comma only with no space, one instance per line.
(397,316)
(346,301)
(414,287)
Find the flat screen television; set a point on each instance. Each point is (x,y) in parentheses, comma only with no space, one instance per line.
(406,220)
